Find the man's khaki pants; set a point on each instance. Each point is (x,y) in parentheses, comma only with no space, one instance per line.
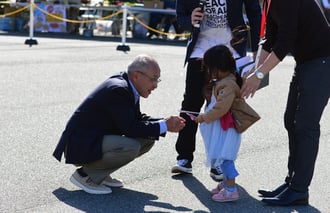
(117,152)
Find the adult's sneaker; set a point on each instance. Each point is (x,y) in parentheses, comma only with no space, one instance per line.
(86,184)
(112,182)
(216,174)
(182,166)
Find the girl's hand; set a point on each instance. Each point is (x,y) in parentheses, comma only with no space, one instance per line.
(199,119)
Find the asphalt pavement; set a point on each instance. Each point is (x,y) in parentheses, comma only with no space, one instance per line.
(40,87)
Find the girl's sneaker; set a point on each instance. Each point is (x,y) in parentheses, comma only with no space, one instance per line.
(217,189)
(226,196)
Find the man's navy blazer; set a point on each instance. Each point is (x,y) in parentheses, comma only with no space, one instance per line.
(109,110)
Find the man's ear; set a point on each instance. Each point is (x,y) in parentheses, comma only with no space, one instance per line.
(133,76)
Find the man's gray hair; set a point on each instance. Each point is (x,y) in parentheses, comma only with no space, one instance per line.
(143,63)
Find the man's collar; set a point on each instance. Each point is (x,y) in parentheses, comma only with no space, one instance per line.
(135,92)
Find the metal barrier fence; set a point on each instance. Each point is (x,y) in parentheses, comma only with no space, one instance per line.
(125,10)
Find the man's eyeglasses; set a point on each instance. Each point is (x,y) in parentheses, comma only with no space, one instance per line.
(152,79)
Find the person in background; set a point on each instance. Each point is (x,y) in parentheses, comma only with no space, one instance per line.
(165,21)
(221,22)
(169,19)
(221,139)
(108,130)
(154,21)
(307,39)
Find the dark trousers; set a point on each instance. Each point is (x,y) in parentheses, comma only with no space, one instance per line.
(193,100)
(308,95)
(155,19)
(171,20)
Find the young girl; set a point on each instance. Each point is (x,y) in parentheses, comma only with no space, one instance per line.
(221,139)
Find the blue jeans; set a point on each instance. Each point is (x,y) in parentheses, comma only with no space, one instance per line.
(228,169)
(308,96)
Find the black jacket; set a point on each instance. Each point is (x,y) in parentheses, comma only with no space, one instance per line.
(109,110)
(298,27)
(236,22)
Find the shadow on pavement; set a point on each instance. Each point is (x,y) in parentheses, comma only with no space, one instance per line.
(246,203)
(121,200)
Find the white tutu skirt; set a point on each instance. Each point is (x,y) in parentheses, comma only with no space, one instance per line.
(220,145)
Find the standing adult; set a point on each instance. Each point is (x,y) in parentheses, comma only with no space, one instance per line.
(222,22)
(169,19)
(166,20)
(108,130)
(307,38)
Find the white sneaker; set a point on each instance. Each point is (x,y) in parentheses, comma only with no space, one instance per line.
(182,166)
(216,174)
(86,184)
(112,182)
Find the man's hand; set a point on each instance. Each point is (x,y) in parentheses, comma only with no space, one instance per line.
(175,123)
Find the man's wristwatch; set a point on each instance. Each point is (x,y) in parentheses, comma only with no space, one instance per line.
(259,74)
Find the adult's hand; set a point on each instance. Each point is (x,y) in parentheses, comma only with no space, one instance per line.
(250,86)
(196,16)
(267,62)
(175,123)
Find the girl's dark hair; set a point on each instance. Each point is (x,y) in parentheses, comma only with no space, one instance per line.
(220,58)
